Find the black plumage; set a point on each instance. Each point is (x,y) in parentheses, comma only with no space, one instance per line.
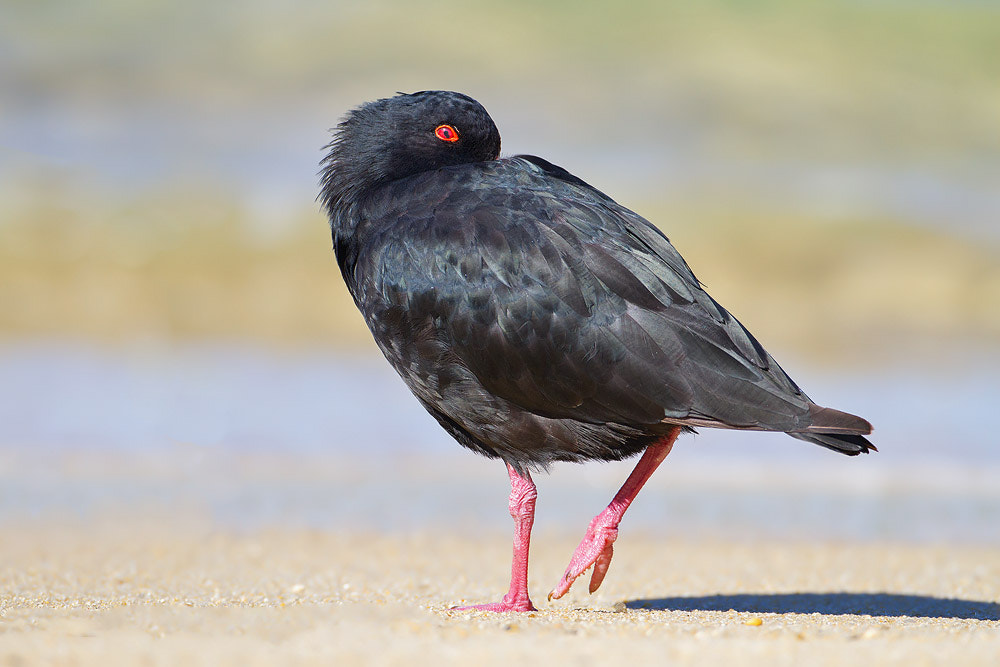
(535,318)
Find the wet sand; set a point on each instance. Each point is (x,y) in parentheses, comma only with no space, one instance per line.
(162,589)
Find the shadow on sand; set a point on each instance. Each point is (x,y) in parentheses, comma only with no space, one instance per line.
(872,604)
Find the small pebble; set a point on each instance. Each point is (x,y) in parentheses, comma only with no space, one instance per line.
(756,620)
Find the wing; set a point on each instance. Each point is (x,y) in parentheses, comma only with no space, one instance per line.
(563,303)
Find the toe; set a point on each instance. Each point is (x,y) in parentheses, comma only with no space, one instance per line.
(601,566)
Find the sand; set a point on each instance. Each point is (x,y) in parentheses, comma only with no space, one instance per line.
(158,590)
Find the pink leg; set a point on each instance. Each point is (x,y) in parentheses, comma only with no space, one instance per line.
(596,547)
(522,509)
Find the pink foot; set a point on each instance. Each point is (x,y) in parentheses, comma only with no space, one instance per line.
(596,548)
(507,605)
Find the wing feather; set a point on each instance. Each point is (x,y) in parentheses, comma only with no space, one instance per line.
(570,306)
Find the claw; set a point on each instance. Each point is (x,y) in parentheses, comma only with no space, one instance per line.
(595,550)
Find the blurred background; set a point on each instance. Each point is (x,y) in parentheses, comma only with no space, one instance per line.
(174,332)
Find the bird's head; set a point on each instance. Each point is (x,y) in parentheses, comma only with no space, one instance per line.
(392,138)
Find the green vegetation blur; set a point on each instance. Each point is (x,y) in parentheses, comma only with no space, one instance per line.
(830,169)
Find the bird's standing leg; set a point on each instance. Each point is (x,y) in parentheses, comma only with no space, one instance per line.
(522,508)
(596,547)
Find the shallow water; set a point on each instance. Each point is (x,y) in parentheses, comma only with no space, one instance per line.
(251,437)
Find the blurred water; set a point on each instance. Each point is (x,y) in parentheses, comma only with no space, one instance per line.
(254,437)
(77,395)
(277,172)
(66,395)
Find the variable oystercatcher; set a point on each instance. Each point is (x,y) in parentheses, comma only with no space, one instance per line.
(535,318)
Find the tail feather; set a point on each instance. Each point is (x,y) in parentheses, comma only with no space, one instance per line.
(849,443)
(840,431)
(828,420)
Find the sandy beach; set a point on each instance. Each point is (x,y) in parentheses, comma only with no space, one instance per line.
(165,590)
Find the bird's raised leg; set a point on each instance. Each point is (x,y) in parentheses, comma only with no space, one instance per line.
(596,547)
(522,508)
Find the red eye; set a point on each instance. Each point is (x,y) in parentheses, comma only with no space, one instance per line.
(446,133)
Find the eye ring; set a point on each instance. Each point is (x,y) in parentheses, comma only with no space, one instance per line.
(446,133)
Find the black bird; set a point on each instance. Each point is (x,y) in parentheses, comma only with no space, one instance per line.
(537,319)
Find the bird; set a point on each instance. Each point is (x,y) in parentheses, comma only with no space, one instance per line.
(535,318)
